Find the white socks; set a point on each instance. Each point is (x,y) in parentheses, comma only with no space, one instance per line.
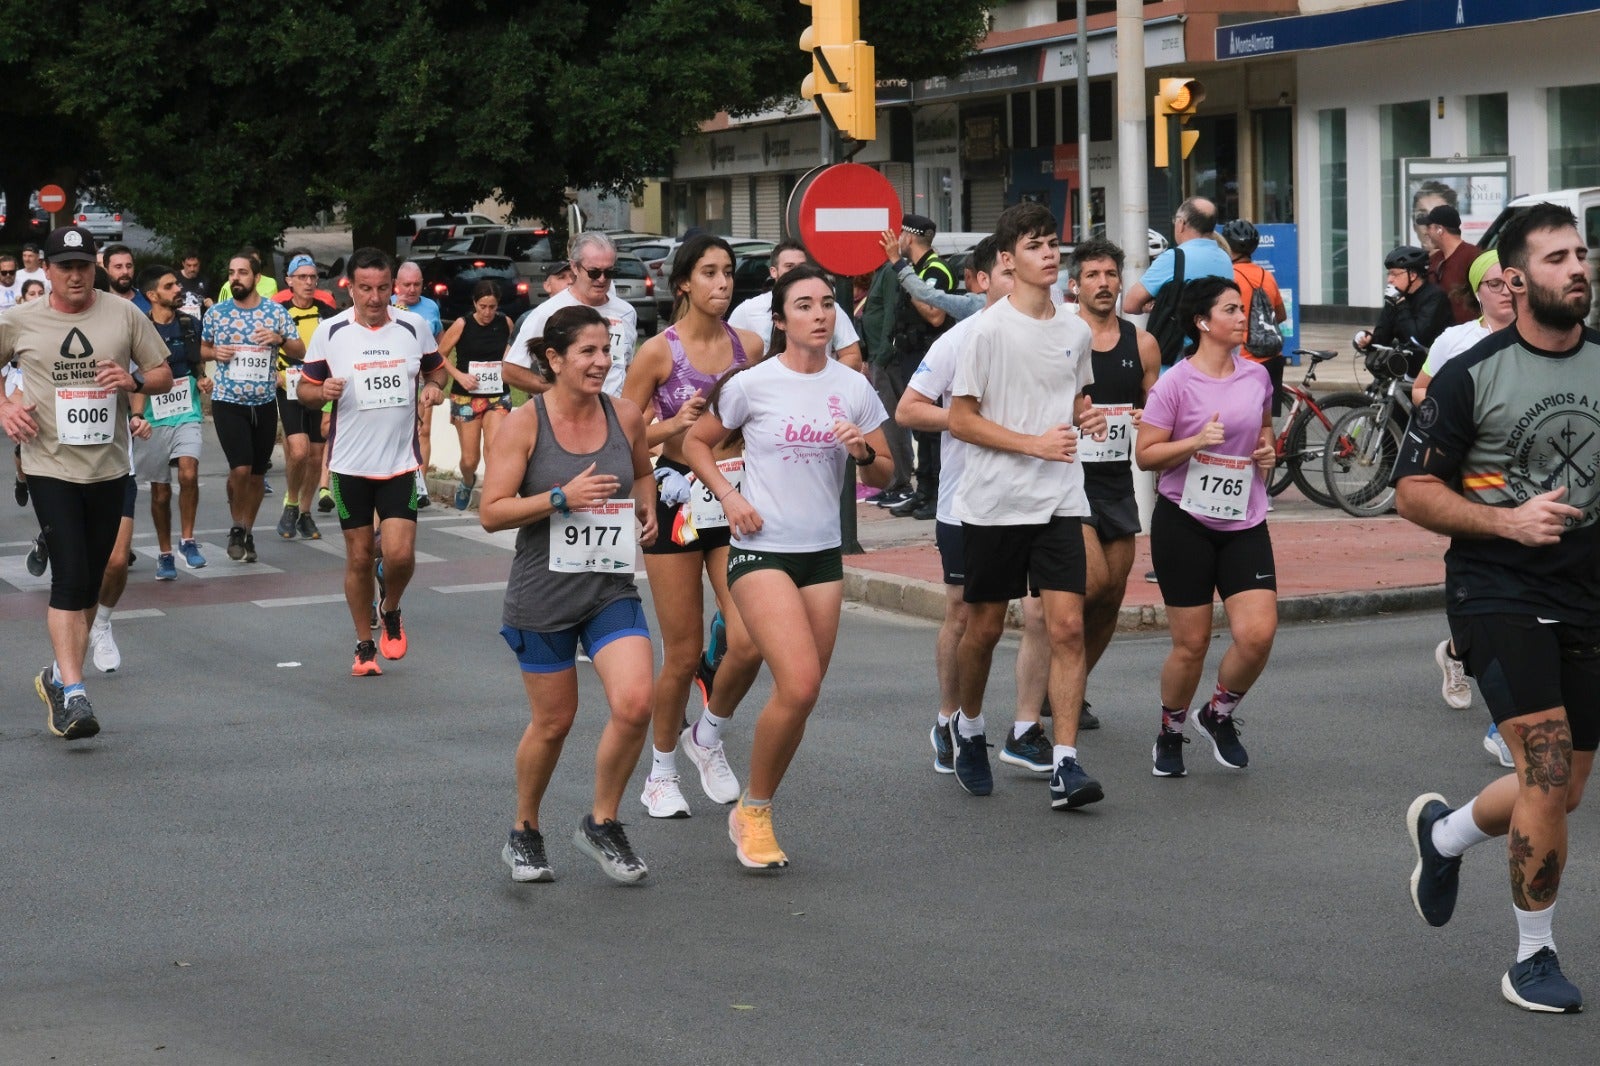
(712,726)
(102,615)
(1456,832)
(1533,931)
(944,720)
(1019,728)
(1065,751)
(969,727)
(662,764)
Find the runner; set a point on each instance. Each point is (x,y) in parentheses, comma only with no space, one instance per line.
(367,361)
(1018,390)
(1500,456)
(674,373)
(572,580)
(594,262)
(1207,428)
(755,314)
(76,347)
(303,442)
(240,333)
(474,347)
(800,414)
(408,297)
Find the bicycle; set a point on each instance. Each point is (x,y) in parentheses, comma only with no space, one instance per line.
(1300,432)
(1359,464)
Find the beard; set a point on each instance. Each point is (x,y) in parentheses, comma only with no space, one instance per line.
(240,291)
(1550,308)
(122,286)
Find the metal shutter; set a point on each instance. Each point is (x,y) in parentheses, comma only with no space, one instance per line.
(986,198)
(769,208)
(739,209)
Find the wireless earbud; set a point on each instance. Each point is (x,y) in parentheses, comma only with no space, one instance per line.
(1515,281)
(1205,327)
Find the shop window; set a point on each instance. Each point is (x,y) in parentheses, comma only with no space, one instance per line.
(1274,193)
(1574,136)
(1403,133)
(1488,132)
(1335,243)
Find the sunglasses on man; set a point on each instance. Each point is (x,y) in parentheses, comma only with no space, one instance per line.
(596,273)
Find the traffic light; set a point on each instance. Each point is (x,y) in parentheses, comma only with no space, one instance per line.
(843,81)
(1180,97)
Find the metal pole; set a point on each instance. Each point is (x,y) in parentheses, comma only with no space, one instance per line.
(844,301)
(1133,179)
(1085,216)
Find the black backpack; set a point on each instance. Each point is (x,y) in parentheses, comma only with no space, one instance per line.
(1163,323)
(1264,340)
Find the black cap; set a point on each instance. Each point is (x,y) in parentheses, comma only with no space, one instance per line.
(921,225)
(557,266)
(69,244)
(1444,215)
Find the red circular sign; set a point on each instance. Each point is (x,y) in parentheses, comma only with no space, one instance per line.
(52,198)
(843,213)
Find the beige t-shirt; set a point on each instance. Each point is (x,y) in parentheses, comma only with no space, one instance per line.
(59,354)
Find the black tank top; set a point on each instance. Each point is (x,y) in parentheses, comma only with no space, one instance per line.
(480,344)
(1118,379)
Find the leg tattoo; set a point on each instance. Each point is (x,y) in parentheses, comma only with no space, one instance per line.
(1549,748)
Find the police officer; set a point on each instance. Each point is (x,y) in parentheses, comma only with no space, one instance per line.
(916,326)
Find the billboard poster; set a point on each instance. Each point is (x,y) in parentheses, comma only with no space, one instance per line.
(1476,186)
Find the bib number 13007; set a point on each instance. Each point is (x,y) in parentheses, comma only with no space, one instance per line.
(594,540)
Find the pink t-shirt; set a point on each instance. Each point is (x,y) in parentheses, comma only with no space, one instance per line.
(1184,400)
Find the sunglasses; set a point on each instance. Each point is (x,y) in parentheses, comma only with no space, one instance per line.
(7,273)
(596,273)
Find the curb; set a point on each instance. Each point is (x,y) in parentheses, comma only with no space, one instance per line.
(924,599)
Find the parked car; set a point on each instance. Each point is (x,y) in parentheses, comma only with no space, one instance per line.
(430,240)
(406,226)
(528,247)
(626,239)
(750,276)
(102,222)
(449,279)
(658,256)
(635,285)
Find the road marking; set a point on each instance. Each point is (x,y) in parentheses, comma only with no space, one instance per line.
(299,601)
(142,612)
(335,548)
(14,571)
(481,586)
(505,538)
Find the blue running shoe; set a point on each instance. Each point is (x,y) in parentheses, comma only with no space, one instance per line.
(1071,787)
(971,760)
(1495,745)
(944,756)
(463,495)
(166,567)
(191,554)
(1537,983)
(717,646)
(1031,751)
(1224,736)
(1435,878)
(1167,755)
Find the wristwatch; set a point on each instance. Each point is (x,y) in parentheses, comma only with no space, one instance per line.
(872,457)
(138,379)
(558,500)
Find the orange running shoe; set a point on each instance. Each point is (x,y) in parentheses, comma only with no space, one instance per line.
(392,640)
(750,829)
(366,664)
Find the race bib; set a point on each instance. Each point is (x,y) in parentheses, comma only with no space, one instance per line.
(705,510)
(488,375)
(594,540)
(83,415)
(291,380)
(619,354)
(381,383)
(252,364)
(1217,486)
(1118,445)
(178,401)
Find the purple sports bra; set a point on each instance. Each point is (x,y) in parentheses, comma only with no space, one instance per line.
(685,380)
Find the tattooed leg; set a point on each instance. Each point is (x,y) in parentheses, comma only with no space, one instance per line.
(1537,844)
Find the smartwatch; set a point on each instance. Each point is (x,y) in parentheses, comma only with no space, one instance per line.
(138,379)
(558,500)
(872,457)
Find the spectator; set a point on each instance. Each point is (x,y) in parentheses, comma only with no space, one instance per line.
(1450,261)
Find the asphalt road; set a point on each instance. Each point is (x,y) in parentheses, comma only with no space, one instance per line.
(263,860)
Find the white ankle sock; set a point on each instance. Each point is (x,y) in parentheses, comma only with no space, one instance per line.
(1019,728)
(969,727)
(1456,832)
(1065,751)
(1533,931)
(944,720)
(662,763)
(713,729)
(102,615)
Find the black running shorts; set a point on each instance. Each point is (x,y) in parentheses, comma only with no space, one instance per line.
(1524,666)
(357,499)
(1007,562)
(1192,559)
(248,433)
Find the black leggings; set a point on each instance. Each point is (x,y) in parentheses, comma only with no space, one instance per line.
(80,527)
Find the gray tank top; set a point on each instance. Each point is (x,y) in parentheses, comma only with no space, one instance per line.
(538,598)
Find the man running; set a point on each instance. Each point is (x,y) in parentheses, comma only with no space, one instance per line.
(1501,456)
(79,353)
(302,427)
(408,297)
(240,334)
(755,314)
(594,263)
(366,361)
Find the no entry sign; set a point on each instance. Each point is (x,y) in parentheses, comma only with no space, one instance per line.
(52,198)
(839,213)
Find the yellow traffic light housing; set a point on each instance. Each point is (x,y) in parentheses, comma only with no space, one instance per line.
(843,80)
(1180,97)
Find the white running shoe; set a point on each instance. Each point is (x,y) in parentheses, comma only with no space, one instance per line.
(106,656)
(663,799)
(1495,745)
(716,776)
(1457,692)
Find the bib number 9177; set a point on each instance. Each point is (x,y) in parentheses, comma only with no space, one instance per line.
(594,540)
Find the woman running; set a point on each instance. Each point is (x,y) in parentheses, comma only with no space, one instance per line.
(801,414)
(571,474)
(479,399)
(674,372)
(1207,428)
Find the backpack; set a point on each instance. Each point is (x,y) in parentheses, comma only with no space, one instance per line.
(1264,340)
(1163,322)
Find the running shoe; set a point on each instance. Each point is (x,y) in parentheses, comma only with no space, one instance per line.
(55,704)
(894,498)
(463,496)
(1087,719)
(662,798)
(1495,745)
(366,664)
(524,853)
(717,779)
(608,845)
(1537,983)
(324,501)
(236,543)
(1167,755)
(717,643)
(22,493)
(944,755)
(705,679)
(166,567)
(191,555)
(392,641)
(904,508)
(1224,736)
(1031,751)
(1436,878)
(308,527)
(80,720)
(750,829)
(288,521)
(424,497)
(927,512)
(971,760)
(250,547)
(39,556)
(107,657)
(1071,787)
(1457,692)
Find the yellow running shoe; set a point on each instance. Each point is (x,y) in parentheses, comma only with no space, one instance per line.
(750,829)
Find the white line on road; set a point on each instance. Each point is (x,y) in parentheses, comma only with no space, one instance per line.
(299,601)
(481,586)
(142,612)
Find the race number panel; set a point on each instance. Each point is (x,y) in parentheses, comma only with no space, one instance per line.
(1118,445)
(705,510)
(251,363)
(488,374)
(594,540)
(1217,486)
(83,415)
(178,401)
(381,383)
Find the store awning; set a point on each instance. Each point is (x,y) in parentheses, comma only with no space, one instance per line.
(1381,22)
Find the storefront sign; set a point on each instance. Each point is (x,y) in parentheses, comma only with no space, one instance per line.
(1380,22)
(1279,254)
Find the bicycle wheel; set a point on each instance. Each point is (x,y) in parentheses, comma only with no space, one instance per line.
(1359,460)
(1282,420)
(1307,439)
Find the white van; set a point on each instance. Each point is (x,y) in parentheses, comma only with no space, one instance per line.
(1585,205)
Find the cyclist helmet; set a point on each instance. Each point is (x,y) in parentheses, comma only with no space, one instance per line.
(1241,236)
(1407,257)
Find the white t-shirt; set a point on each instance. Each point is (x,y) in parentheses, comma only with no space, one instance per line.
(374,428)
(1453,342)
(10,296)
(32,275)
(755,315)
(621,320)
(793,465)
(1026,374)
(934,378)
